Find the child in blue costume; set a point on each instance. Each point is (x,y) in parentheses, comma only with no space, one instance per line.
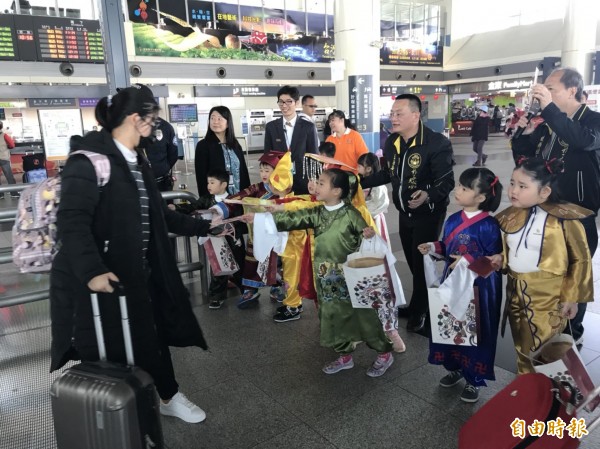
(468,235)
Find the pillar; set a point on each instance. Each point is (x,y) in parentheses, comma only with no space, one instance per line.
(112,22)
(579,42)
(357,37)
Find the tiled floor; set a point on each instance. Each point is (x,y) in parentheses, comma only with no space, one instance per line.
(261,383)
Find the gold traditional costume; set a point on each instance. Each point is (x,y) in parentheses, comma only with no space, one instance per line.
(534,300)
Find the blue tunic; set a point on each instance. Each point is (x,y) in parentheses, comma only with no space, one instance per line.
(481,238)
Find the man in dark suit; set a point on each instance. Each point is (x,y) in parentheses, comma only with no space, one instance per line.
(290,133)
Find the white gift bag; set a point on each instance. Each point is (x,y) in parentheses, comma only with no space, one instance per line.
(371,277)
(219,255)
(446,329)
(559,359)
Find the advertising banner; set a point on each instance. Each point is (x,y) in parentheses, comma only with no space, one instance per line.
(225,31)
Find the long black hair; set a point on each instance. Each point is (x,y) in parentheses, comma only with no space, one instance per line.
(138,99)
(230,139)
(486,183)
(370,160)
(339,180)
(340,114)
(544,172)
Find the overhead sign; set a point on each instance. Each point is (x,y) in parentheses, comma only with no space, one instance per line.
(524,83)
(51,102)
(88,102)
(13,104)
(258,91)
(360,89)
(389,90)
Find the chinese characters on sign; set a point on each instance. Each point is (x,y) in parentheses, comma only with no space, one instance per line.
(360,89)
(556,427)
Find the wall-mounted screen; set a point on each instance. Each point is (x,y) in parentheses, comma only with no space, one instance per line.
(183,113)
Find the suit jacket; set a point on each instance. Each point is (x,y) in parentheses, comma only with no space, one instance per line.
(303,141)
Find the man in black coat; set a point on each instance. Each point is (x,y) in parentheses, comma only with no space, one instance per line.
(419,166)
(570,132)
(290,133)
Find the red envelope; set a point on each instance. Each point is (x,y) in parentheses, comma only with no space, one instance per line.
(482,266)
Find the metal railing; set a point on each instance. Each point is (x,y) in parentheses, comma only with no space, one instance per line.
(188,266)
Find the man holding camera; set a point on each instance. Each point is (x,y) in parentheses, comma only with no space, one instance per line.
(570,132)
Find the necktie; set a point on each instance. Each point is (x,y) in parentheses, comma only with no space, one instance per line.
(288,137)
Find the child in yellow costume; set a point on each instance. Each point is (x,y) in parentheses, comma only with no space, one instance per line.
(545,255)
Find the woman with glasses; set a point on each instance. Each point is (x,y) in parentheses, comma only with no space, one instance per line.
(220,150)
(119,233)
(349,144)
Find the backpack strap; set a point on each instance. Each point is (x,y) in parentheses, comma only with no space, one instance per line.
(101,165)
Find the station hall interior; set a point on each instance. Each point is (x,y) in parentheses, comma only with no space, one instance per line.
(260,382)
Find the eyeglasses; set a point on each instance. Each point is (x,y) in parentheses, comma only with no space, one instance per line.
(286,102)
(151,120)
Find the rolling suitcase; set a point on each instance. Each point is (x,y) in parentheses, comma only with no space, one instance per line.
(504,421)
(104,405)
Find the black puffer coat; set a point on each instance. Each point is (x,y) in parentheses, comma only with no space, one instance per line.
(100,230)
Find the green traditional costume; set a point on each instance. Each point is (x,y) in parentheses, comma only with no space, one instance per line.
(338,233)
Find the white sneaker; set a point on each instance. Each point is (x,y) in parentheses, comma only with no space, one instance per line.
(182,408)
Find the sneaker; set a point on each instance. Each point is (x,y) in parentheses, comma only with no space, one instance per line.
(15,195)
(342,362)
(470,393)
(277,293)
(249,298)
(484,157)
(381,364)
(215,304)
(478,164)
(579,341)
(289,314)
(451,379)
(182,408)
(396,340)
(282,309)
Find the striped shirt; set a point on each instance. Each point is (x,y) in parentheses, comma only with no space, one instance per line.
(132,161)
(144,203)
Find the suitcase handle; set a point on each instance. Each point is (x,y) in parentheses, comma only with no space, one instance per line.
(124,323)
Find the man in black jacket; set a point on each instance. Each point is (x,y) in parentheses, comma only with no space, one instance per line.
(419,163)
(162,153)
(289,133)
(571,132)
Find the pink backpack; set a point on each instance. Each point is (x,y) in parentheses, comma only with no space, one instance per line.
(34,232)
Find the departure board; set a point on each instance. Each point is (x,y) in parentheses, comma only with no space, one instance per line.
(183,113)
(8,50)
(72,40)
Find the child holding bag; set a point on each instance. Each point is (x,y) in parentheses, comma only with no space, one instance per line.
(339,229)
(545,255)
(469,235)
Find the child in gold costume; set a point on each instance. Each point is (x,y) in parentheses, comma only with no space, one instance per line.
(545,255)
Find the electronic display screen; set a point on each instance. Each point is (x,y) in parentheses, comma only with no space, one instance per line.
(8,45)
(64,39)
(39,38)
(183,113)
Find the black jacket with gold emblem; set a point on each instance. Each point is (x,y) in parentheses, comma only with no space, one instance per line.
(576,141)
(422,163)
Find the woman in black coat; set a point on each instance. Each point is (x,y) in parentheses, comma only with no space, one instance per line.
(119,233)
(220,149)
